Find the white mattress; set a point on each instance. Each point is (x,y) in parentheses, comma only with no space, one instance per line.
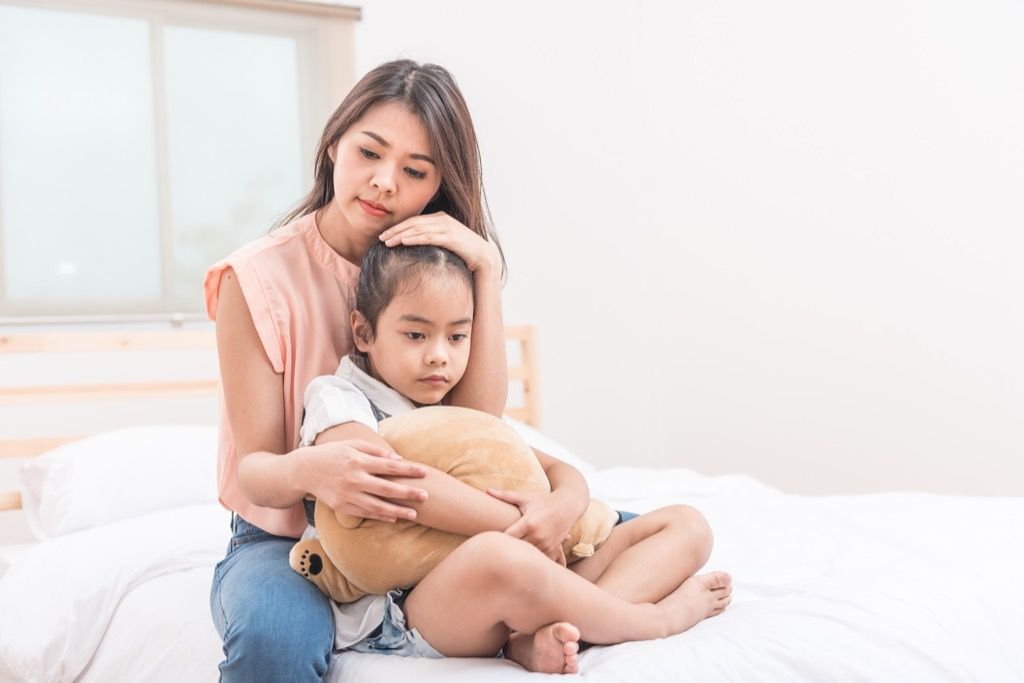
(882,587)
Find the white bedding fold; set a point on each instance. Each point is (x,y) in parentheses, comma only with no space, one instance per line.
(898,586)
(58,598)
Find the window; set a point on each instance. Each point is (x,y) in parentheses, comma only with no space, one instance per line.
(142,141)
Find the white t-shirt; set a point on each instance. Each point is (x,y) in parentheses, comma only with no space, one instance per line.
(345,396)
(332,400)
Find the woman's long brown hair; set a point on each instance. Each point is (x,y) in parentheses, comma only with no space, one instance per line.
(430,93)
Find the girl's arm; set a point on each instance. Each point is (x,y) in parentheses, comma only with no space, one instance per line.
(548,517)
(567,485)
(485,384)
(347,475)
(449,504)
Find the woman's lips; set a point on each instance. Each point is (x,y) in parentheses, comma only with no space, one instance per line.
(375,210)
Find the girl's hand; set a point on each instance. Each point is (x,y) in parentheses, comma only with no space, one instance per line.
(546,520)
(440,229)
(348,476)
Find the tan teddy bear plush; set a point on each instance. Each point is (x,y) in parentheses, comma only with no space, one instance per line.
(353,557)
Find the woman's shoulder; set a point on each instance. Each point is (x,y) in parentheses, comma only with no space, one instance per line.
(291,252)
(290,258)
(284,243)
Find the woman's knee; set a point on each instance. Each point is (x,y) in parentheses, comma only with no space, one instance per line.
(259,651)
(274,624)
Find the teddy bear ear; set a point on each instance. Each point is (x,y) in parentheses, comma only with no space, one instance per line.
(582,550)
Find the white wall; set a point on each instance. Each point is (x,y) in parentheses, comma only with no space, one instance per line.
(774,238)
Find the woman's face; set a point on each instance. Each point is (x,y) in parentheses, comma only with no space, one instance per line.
(384,170)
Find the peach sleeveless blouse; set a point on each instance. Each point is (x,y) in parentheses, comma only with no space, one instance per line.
(300,293)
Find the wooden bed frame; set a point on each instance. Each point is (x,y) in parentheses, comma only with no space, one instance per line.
(522,371)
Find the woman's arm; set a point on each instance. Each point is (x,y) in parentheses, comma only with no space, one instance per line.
(345,474)
(485,384)
(449,504)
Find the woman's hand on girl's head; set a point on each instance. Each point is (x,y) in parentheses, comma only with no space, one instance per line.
(441,230)
(349,476)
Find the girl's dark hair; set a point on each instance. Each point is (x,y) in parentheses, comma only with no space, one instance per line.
(389,271)
(430,93)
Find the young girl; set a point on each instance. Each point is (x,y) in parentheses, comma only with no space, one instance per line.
(412,328)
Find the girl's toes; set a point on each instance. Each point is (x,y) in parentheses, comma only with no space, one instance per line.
(566,632)
(719,580)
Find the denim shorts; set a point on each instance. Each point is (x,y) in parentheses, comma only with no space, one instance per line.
(393,637)
(625,516)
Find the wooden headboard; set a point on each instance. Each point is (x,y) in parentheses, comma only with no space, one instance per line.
(522,372)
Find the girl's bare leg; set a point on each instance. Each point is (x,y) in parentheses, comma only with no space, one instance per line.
(493,585)
(650,556)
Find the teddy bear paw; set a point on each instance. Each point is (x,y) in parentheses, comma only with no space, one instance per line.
(310,563)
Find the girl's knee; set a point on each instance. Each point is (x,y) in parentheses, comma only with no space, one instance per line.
(499,559)
(489,545)
(692,524)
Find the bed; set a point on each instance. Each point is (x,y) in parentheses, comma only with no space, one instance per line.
(115,586)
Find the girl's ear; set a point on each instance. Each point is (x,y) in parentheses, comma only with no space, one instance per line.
(332,151)
(362,336)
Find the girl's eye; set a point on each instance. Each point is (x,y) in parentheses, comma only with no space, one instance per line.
(368,154)
(415,336)
(459,337)
(413,173)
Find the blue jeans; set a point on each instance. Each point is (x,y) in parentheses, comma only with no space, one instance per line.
(274,624)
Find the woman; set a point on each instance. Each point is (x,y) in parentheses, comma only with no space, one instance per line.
(400,152)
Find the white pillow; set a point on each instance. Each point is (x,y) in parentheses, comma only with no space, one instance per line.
(552,448)
(124,473)
(118,474)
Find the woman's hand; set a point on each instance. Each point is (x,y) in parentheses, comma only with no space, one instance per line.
(349,476)
(440,229)
(546,521)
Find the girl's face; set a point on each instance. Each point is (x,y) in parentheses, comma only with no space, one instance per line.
(383,170)
(421,346)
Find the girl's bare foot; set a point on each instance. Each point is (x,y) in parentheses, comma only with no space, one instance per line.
(553,649)
(696,599)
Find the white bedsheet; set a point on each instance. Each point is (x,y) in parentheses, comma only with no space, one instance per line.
(876,588)
(57,599)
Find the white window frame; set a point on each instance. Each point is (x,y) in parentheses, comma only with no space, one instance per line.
(326,63)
